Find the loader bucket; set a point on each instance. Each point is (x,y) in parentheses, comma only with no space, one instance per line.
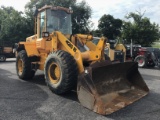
(106,87)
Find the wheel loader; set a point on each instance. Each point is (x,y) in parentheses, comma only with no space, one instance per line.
(114,51)
(70,60)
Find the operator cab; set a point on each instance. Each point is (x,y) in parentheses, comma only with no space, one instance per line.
(52,18)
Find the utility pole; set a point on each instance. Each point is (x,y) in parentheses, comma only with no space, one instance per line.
(131,49)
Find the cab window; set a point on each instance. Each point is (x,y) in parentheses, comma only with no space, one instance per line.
(42,23)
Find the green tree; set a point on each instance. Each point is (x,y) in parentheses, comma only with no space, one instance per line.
(13,26)
(96,33)
(80,16)
(109,26)
(140,30)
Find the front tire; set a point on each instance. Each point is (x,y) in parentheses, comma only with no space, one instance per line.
(23,66)
(60,72)
(141,60)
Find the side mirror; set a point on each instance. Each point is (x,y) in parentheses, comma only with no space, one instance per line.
(35,11)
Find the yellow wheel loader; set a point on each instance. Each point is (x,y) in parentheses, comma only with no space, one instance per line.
(74,60)
(114,50)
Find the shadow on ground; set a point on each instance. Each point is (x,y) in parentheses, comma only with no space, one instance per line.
(40,80)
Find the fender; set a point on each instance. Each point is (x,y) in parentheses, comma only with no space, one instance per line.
(30,48)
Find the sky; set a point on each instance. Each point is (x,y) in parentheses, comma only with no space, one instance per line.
(116,8)
(17,4)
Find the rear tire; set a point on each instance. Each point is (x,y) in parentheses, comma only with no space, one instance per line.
(151,65)
(60,72)
(141,60)
(23,66)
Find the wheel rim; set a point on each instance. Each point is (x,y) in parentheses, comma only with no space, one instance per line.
(54,73)
(20,66)
(140,61)
(2,58)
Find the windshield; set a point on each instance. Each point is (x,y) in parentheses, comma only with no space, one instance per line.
(58,20)
(95,40)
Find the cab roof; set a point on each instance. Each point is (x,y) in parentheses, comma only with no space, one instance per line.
(55,8)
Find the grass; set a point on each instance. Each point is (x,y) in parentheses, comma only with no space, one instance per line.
(156,44)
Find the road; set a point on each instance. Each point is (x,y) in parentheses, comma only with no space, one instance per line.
(32,100)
